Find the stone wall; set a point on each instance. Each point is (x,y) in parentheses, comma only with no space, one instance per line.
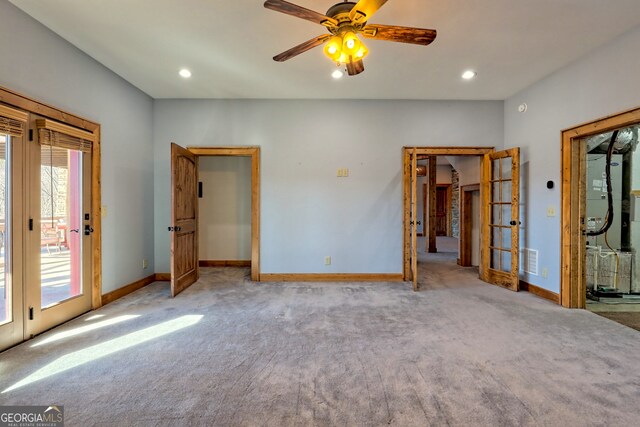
(455,204)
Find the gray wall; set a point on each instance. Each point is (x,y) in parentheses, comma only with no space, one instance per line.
(39,64)
(600,84)
(308,213)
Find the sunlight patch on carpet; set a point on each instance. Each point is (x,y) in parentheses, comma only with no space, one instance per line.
(98,351)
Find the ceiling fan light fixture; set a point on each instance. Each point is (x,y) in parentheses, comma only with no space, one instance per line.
(362,52)
(333,48)
(344,21)
(351,43)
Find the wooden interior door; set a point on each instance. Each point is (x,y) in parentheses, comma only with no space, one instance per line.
(500,218)
(414,219)
(442,211)
(184,219)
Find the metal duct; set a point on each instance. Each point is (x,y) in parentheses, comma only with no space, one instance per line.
(627,140)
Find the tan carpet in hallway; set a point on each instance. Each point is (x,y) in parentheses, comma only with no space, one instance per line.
(229,352)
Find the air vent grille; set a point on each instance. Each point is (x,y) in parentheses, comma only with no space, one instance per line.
(530,261)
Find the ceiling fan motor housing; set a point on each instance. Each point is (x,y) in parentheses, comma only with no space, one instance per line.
(340,12)
(340,8)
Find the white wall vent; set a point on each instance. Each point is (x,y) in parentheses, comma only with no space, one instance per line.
(530,261)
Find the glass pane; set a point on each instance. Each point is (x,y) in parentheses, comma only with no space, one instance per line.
(506,262)
(505,214)
(506,191)
(496,237)
(506,167)
(505,242)
(495,191)
(496,214)
(61,224)
(5,283)
(495,169)
(495,259)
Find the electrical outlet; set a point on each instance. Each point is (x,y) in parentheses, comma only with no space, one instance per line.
(327,260)
(545,272)
(145,263)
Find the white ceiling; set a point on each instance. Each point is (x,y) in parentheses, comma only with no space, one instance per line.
(228,45)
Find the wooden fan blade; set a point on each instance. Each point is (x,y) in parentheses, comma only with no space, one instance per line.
(394,33)
(364,10)
(300,12)
(301,48)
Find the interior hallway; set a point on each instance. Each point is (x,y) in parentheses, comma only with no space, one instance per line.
(230,352)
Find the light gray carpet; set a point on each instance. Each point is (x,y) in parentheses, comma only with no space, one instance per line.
(459,353)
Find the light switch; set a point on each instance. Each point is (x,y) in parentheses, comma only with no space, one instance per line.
(103,210)
(551,211)
(343,173)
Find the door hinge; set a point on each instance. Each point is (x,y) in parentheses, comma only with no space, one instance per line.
(30,313)
(200,190)
(30,224)
(30,134)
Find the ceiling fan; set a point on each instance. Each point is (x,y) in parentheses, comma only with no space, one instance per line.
(345,21)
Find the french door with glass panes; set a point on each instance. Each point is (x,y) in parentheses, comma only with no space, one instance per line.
(500,218)
(46,224)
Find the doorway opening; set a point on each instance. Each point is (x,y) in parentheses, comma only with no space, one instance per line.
(602,158)
(224,211)
(471,180)
(188,184)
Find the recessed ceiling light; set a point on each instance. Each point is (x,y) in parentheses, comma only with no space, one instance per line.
(185,73)
(469,74)
(337,74)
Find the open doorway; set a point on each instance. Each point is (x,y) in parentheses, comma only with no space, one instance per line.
(224,217)
(457,212)
(604,162)
(496,178)
(186,187)
(596,247)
